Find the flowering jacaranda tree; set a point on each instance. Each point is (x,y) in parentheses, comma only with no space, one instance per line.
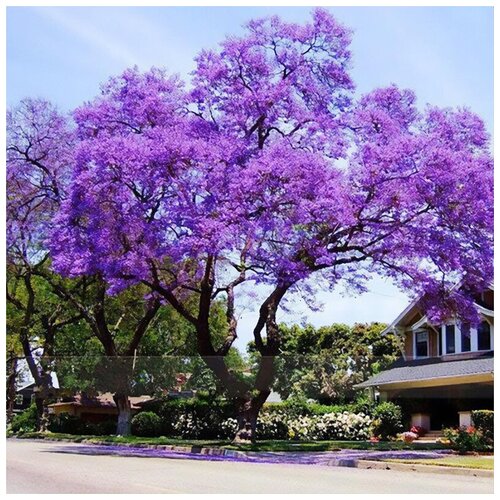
(267,170)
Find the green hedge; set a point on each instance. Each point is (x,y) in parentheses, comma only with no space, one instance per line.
(68,424)
(24,421)
(483,420)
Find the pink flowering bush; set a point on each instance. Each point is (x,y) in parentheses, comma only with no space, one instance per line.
(409,437)
(419,431)
(466,439)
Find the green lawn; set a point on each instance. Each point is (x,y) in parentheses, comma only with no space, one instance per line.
(469,461)
(265,445)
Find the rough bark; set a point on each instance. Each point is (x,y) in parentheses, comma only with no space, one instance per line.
(123,405)
(249,407)
(11,386)
(42,413)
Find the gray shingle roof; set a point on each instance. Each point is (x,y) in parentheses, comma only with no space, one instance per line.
(432,368)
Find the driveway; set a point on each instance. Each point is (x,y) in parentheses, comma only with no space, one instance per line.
(50,467)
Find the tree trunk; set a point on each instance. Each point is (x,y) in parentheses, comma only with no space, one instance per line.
(124,414)
(247,418)
(250,407)
(11,386)
(42,413)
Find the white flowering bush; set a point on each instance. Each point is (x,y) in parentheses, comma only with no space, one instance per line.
(272,425)
(228,428)
(302,427)
(187,426)
(278,425)
(346,425)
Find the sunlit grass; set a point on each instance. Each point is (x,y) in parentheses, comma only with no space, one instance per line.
(470,462)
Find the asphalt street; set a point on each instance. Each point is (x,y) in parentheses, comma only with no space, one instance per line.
(50,467)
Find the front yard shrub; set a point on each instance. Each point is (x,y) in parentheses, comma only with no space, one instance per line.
(302,427)
(483,420)
(331,426)
(418,430)
(387,420)
(69,424)
(346,425)
(146,424)
(65,423)
(466,439)
(409,437)
(24,421)
(106,427)
(273,424)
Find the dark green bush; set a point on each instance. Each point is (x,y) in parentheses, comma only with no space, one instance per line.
(68,424)
(387,420)
(363,405)
(65,423)
(106,428)
(25,421)
(146,424)
(483,420)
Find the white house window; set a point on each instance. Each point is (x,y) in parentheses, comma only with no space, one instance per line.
(450,339)
(465,337)
(422,344)
(484,336)
(19,399)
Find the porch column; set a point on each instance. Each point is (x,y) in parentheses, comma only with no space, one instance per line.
(473,339)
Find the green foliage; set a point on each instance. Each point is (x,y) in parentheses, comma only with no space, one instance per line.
(167,348)
(326,363)
(387,420)
(69,424)
(466,439)
(483,420)
(146,424)
(25,421)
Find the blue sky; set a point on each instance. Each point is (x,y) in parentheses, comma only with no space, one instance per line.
(445,54)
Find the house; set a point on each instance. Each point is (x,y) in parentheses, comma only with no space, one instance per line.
(94,409)
(445,371)
(26,394)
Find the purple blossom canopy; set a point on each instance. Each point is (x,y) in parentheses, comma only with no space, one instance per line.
(271,167)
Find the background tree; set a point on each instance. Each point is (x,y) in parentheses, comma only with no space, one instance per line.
(40,144)
(240,180)
(325,363)
(40,156)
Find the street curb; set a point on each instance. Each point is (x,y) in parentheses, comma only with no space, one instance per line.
(433,469)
